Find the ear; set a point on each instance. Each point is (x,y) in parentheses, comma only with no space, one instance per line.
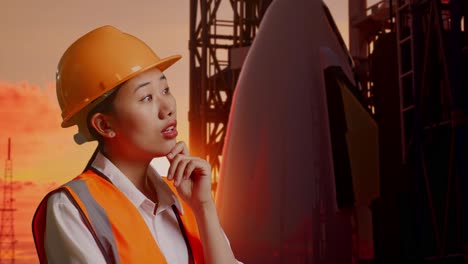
(102,125)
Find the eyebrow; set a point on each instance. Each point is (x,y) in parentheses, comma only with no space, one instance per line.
(146,83)
(140,86)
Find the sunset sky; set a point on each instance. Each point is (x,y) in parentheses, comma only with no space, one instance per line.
(34,35)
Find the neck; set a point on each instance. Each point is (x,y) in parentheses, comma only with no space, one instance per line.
(133,168)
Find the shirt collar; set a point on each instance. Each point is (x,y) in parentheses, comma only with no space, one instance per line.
(165,195)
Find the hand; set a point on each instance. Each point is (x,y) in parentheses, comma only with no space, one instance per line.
(191,176)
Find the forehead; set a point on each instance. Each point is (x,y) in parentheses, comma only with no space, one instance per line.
(151,75)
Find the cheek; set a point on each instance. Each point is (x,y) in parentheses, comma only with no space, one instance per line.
(133,122)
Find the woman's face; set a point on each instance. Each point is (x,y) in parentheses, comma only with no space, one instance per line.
(144,108)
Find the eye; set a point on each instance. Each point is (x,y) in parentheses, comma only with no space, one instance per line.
(166,90)
(147,98)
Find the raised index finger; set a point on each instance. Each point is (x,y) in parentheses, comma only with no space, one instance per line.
(180,147)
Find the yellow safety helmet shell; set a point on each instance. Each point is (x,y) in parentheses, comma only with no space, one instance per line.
(95,64)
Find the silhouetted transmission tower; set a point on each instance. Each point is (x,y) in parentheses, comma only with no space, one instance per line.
(7,228)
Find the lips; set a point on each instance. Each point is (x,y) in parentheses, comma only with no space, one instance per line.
(170,130)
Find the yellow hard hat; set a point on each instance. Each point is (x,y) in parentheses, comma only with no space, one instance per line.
(95,64)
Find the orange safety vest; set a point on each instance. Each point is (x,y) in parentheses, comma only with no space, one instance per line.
(115,223)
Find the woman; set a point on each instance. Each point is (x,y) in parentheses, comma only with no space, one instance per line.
(119,210)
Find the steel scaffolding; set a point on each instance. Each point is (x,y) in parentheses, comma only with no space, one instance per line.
(217,49)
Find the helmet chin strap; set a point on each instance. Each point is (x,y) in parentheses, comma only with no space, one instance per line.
(79,138)
(83,134)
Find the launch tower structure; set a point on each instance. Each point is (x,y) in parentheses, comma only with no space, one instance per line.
(412,64)
(218,46)
(7,228)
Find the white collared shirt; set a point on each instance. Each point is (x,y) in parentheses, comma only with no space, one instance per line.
(67,239)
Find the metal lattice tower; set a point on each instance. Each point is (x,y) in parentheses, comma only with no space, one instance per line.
(217,50)
(429,165)
(7,228)
(430,44)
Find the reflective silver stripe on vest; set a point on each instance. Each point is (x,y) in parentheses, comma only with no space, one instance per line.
(98,218)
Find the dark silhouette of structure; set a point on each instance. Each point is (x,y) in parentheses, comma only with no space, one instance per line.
(7,226)
(415,73)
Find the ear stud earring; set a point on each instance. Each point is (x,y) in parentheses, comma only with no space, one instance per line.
(112,134)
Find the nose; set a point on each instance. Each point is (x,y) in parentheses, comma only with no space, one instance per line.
(167,108)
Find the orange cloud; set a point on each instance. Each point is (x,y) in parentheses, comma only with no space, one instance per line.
(27,113)
(27,108)
(30,115)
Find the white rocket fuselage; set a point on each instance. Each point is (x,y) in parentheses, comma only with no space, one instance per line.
(276,197)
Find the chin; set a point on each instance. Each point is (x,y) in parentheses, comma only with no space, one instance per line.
(162,149)
(170,144)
